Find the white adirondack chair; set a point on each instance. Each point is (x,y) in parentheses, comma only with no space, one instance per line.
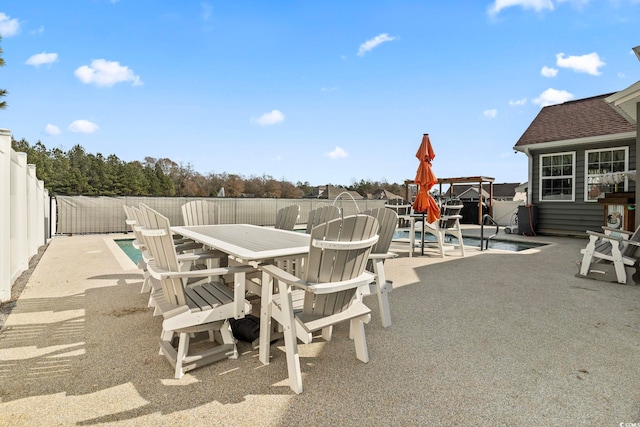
(321,215)
(387,219)
(200,212)
(192,309)
(449,223)
(333,273)
(191,255)
(287,217)
(611,256)
(132,221)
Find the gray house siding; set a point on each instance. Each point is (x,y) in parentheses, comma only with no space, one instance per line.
(574,218)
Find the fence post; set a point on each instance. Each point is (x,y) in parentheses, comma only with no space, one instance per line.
(5,215)
(19,236)
(32,211)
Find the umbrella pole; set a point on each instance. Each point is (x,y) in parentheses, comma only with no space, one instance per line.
(422,237)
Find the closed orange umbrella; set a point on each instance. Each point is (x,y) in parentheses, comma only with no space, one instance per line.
(426,179)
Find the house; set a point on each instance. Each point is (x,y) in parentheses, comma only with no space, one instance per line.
(574,148)
(466,192)
(330,192)
(384,195)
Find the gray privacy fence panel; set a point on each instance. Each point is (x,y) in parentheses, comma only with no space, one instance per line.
(90,215)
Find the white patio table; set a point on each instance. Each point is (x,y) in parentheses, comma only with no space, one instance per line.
(251,245)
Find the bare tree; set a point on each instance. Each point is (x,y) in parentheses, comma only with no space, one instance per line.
(3,92)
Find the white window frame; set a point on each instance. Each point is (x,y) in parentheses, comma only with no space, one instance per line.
(586,169)
(541,178)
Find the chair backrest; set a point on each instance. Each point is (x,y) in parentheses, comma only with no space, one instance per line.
(401,206)
(132,222)
(159,242)
(633,251)
(387,220)
(200,212)
(338,251)
(450,215)
(322,214)
(287,217)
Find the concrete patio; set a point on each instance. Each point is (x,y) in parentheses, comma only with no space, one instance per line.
(495,338)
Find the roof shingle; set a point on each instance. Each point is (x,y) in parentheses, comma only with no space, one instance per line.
(581,118)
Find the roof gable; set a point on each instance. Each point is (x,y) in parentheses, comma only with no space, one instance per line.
(582,118)
(504,190)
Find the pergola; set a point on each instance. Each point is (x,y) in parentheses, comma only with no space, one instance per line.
(480,180)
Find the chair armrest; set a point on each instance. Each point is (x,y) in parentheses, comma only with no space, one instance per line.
(337,244)
(317,288)
(197,256)
(160,274)
(617,230)
(445,217)
(187,246)
(386,255)
(607,237)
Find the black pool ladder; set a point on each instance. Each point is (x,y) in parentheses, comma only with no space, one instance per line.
(487,219)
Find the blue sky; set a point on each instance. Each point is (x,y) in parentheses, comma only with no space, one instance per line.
(323,92)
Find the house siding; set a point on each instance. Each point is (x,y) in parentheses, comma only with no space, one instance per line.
(573,218)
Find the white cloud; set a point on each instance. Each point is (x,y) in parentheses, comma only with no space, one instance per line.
(371,43)
(83,126)
(42,58)
(537,5)
(548,71)
(518,102)
(50,129)
(106,73)
(37,32)
(490,114)
(337,153)
(589,63)
(271,118)
(207,11)
(552,96)
(8,27)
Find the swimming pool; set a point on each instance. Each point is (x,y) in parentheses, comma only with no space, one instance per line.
(127,247)
(505,245)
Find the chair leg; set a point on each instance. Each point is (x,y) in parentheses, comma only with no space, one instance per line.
(327,332)
(359,339)
(227,338)
(265,319)
(166,336)
(587,256)
(459,236)
(291,346)
(440,236)
(146,283)
(618,263)
(381,289)
(183,348)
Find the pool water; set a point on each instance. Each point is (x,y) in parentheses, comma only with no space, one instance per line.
(127,247)
(505,245)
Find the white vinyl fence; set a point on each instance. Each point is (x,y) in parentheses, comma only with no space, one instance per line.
(88,215)
(24,214)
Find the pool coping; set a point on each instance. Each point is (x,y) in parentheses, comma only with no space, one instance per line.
(123,259)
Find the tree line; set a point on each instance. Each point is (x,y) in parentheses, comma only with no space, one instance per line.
(76,172)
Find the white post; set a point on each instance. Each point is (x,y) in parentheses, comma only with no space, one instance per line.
(32,211)
(19,247)
(41,215)
(5,215)
(53,221)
